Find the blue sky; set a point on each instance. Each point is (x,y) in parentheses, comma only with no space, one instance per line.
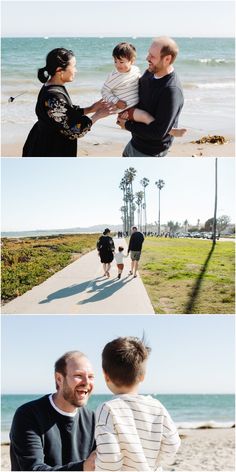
(190,354)
(55,193)
(118,18)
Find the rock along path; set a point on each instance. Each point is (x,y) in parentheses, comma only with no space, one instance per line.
(81,288)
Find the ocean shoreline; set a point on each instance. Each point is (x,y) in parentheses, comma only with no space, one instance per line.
(205,67)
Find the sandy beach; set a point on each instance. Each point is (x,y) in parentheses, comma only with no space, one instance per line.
(202,449)
(111,149)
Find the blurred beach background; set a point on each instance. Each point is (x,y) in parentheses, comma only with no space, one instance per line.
(205,67)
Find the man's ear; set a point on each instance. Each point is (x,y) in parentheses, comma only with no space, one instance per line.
(58,379)
(167,59)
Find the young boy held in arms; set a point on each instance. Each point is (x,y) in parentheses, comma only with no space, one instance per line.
(122,86)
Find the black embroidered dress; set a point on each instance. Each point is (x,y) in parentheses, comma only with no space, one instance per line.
(106,247)
(59,125)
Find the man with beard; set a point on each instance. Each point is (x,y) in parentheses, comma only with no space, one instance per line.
(56,432)
(160,94)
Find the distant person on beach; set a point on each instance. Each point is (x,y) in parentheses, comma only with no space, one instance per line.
(160,95)
(133,431)
(122,87)
(56,432)
(119,257)
(106,249)
(60,123)
(135,249)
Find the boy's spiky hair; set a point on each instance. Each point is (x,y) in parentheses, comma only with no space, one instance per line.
(123,359)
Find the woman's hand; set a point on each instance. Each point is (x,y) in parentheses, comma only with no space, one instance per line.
(105,110)
(97,106)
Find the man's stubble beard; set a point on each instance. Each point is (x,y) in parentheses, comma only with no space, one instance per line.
(69,396)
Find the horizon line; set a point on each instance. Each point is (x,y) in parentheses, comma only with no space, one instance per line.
(141,393)
(100,36)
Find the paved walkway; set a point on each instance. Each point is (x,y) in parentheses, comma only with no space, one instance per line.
(81,288)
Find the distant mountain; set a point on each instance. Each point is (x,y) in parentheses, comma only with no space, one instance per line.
(49,232)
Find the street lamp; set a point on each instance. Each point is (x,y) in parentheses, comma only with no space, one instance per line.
(160,184)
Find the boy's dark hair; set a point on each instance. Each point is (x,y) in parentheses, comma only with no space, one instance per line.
(124,50)
(123,360)
(120,249)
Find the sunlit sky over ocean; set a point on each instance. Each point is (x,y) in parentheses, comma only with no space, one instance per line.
(117,18)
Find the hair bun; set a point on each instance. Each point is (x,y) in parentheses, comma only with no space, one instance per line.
(45,73)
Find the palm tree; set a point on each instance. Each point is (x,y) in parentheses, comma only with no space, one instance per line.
(160,184)
(123,211)
(144,182)
(129,178)
(123,187)
(139,202)
(186,226)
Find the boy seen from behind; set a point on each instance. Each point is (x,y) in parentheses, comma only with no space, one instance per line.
(133,431)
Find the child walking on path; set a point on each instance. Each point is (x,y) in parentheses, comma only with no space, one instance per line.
(119,257)
(122,87)
(133,432)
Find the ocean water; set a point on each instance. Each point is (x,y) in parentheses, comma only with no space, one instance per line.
(187,409)
(204,65)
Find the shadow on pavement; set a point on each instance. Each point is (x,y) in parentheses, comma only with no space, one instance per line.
(66,292)
(197,286)
(105,290)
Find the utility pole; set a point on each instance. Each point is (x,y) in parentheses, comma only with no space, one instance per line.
(160,184)
(215,208)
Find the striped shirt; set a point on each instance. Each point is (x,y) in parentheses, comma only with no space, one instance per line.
(134,432)
(122,86)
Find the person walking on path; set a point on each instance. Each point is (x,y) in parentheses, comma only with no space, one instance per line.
(106,248)
(119,257)
(161,95)
(56,431)
(60,123)
(135,248)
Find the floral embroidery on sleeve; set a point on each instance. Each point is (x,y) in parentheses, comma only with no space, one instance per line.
(58,111)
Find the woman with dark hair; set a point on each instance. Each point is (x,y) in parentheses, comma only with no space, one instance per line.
(106,248)
(60,122)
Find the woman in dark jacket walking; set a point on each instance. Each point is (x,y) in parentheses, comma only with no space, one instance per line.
(60,123)
(106,248)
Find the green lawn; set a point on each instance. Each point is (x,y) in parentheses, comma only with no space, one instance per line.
(180,280)
(27,262)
